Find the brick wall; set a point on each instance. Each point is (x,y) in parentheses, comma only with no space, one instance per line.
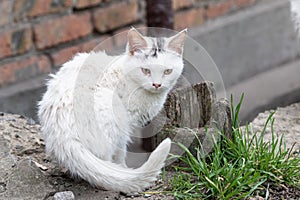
(37,36)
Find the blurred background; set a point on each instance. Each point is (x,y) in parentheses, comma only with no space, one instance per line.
(253,43)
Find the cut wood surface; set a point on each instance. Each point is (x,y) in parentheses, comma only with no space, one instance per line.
(189,111)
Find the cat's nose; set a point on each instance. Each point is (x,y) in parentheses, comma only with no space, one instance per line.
(156,85)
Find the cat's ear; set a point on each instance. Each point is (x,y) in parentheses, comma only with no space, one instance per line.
(176,42)
(136,42)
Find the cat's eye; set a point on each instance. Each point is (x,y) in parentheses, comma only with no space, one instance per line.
(168,71)
(146,71)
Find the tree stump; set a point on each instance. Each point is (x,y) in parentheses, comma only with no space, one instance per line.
(189,111)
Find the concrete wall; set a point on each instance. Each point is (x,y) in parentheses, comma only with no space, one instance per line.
(249,48)
(250,42)
(256,52)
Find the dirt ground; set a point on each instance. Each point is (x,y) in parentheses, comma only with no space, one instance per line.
(26,172)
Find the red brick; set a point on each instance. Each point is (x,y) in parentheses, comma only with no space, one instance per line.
(116,15)
(218,9)
(87,3)
(120,36)
(23,69)
(5,12)
(64,29)
(188,18)
(61,56)
(106,44)
(243,3)
(15,41)
(178,4)
(32,8)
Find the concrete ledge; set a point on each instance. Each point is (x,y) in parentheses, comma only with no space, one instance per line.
(249,47)
(251,41)
(277,87)
(22,98)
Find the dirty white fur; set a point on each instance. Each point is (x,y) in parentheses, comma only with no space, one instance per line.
(94,101)
(295,14)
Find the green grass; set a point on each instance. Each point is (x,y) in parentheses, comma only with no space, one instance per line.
(236,168)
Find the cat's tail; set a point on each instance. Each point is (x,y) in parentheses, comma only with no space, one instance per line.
(80,161)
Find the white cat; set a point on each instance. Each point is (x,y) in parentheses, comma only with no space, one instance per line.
(295,11)
(131,90)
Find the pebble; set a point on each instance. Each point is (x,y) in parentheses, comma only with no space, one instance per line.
(135,194)
(66,195)
(2,188)
(18,147)
(30,121)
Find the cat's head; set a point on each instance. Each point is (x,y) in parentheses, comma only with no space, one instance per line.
(154,64)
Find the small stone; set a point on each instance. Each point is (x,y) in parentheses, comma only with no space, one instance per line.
(67,184)
(66,195)
(256,198)
(147,195)
(135,194)
(30,121)
(18,147)
(2,188)
(11,120)
(22,117)
(42,167)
